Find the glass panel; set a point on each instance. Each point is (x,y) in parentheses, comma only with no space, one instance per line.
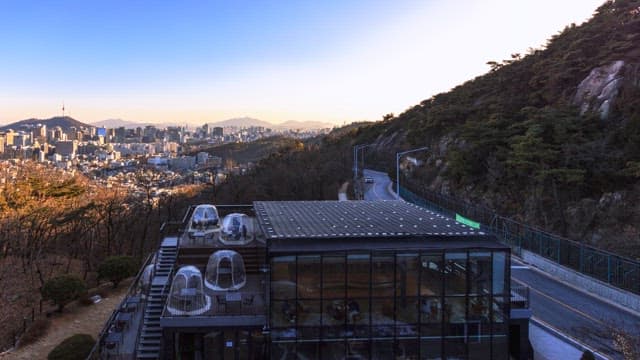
(406,330)
(479,308)
(499,309)
(283,313)
(381,350)
(454,342)
(358,276)
(333,276)
(499,273)
(283,277)
(358,317)
(455,273)
(308,350)
(309,277)
(309,312)
(431,330)
(407,310)
(500,347)
(383,276)
(334,312)
(382,311)
(333,350)
(479,341)
(357,350)
(407,349)
(283,350)
(431,310)
(431,349)
(407,269)
(480,273)
(455,309)
(431,276)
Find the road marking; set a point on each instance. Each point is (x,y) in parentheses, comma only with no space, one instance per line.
(571,308)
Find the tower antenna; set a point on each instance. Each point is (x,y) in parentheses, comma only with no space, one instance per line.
(63,109)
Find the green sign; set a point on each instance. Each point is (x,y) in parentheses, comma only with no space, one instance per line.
(470,223)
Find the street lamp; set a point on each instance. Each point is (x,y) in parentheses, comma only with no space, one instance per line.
(355,157)
(398,156)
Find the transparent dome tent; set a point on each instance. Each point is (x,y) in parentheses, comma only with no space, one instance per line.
(186,296)
(204,221)
(225,271)
(237,229)
(144,285)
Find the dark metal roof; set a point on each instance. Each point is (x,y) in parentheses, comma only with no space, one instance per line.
(363,219)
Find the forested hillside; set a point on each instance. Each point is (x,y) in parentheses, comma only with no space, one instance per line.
(551,138)
(54,223)
(310,170)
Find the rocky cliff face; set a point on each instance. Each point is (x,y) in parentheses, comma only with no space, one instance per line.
(598,91)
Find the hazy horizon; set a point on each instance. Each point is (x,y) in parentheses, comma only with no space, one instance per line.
(193,62)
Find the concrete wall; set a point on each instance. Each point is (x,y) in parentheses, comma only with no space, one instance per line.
(582,282)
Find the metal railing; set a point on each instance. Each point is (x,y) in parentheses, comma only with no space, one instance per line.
(133,288)
(616,270)
(519,297)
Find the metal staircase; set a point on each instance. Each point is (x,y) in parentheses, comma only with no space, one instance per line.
(151,333)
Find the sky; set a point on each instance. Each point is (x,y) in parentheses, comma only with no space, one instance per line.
(193,62)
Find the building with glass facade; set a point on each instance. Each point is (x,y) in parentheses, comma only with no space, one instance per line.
(326,280)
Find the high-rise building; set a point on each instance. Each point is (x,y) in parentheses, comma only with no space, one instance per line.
(67,148)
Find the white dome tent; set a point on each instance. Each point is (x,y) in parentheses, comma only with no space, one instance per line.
(237,229)
(225,271)
(187,296)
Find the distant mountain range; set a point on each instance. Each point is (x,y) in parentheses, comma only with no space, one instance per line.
(294,125)
(238,122)
(65,122)
(68,122)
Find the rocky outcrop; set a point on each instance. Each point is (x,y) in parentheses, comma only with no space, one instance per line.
(598,90)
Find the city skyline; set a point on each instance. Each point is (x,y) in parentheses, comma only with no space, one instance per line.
(196,62)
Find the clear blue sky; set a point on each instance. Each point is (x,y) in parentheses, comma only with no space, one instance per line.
(197,61)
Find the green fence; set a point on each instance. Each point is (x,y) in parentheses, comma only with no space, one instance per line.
(616,270)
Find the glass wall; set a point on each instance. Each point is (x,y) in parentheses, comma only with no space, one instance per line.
(380,305)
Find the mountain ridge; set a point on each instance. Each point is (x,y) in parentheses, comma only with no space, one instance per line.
(65,122)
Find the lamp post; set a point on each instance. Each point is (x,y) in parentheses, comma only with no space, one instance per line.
(355,158)
(398,156)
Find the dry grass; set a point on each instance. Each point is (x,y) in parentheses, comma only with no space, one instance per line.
(75,320)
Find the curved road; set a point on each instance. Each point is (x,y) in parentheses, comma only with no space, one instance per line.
(572,312)
(380,189)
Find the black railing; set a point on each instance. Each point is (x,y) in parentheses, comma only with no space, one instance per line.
(133,288)
(616,270)
(519,297)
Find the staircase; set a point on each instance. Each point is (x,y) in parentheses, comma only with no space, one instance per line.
(151,333)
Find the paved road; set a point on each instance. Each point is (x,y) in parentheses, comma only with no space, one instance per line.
(576,314)
(379,190)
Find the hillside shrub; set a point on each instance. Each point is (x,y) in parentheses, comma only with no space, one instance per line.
(76,347)
(116,269)
(63,289)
